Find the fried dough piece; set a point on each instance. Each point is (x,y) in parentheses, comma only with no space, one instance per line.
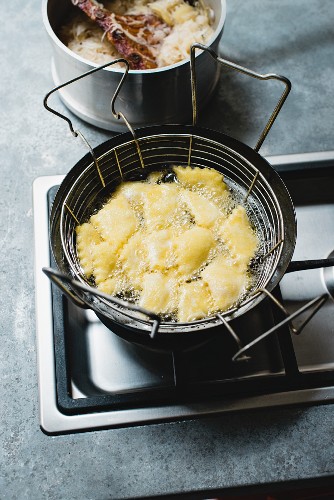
(192,250)
(133,191)
(87,238)
(239,237)
(159,293)
(227,281)
(112,286)
(104,256)
(133,259)
(159,245)
(195,301)
(204,211)
(116,221)
(207,180)
(160,205)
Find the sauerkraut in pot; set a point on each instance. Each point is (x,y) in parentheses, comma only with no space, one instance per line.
(189,24)
(177,244)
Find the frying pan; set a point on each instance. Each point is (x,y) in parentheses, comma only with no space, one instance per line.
(133,155)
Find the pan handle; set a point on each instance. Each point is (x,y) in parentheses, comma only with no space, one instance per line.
(59,279)
(240,69)
(303,265)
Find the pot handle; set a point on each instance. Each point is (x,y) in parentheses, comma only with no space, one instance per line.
(59,279)
(240,69)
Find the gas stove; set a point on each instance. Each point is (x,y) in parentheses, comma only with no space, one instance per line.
(90,379)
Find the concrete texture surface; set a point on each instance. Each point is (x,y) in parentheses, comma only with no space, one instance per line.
(245,449)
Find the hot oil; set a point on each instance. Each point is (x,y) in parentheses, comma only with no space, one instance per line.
(181,221)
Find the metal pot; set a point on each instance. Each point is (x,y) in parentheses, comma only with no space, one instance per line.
(247,173)
(148,97)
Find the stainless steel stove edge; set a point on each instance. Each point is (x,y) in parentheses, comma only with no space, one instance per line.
(51,419)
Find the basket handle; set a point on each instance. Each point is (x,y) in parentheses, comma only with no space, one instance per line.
(240,69)
(60,279)
(87,73)
(117,114)
(77,133)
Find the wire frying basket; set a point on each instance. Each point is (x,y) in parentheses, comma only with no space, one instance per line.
(130,156)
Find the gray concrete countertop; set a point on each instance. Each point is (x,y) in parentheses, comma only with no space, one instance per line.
(239,450)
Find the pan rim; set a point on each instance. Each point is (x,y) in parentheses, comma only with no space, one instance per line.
(248,154)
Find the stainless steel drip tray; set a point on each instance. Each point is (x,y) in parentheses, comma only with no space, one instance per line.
(89,378)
